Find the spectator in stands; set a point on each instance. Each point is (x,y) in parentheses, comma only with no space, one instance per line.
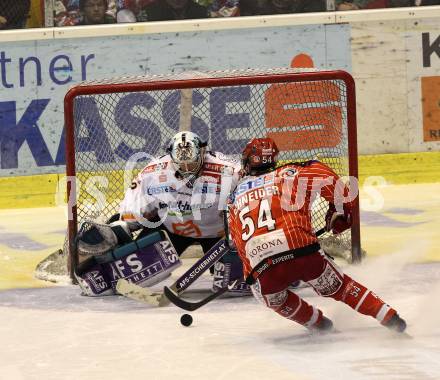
(249,7)
(36,14)
(224,8)
(94,12)
(302,6)
(66,12)
(347,5)
(133,10)
(163,10)
(426,2)
(411,3)
(270,7)
(343,5)
(125,16)
(13,14)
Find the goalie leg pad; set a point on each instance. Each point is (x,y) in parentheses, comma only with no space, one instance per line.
(228,269)
(145,262)
(147,265)
(93,279)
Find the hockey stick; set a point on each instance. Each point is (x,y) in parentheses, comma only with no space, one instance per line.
(191,306)
(138,293)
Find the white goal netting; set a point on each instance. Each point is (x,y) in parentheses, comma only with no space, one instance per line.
(310,115)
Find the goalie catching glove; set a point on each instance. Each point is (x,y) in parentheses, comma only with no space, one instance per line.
(337,222)
(97,238)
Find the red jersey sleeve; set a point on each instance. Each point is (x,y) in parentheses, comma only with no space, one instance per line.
(323,181)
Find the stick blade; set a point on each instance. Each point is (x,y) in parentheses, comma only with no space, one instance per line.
(191,306)
(137,293)
(174,298)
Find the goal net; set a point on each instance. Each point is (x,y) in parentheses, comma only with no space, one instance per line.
(113,127)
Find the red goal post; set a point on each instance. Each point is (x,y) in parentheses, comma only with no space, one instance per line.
(310,115)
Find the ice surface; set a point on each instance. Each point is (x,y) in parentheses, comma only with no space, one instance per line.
(54,333)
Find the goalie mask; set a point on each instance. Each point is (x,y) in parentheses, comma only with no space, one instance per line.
(187,152)
(259,156)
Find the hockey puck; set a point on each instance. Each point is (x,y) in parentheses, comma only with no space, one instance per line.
(186,320)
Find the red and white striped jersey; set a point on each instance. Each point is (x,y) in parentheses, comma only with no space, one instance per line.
(271,213)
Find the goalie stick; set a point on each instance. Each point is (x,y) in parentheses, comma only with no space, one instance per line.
(145,295)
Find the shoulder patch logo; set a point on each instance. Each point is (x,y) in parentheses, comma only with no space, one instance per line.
(289,172)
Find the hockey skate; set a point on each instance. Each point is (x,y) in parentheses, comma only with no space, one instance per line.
(395,323)
(324,327)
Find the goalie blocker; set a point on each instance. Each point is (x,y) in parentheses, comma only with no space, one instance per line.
(144,262)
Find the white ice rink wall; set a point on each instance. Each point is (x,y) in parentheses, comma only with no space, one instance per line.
(393,54)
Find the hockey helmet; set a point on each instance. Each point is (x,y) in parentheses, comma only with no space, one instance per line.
(259,156)
(187,151)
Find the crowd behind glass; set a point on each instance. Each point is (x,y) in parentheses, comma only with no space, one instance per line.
(15,14)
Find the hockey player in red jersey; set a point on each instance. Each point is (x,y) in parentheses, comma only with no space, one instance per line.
(270,224)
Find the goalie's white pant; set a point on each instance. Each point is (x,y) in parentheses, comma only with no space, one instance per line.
(327,279)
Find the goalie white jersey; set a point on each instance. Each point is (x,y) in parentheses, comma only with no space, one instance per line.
(193,209)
